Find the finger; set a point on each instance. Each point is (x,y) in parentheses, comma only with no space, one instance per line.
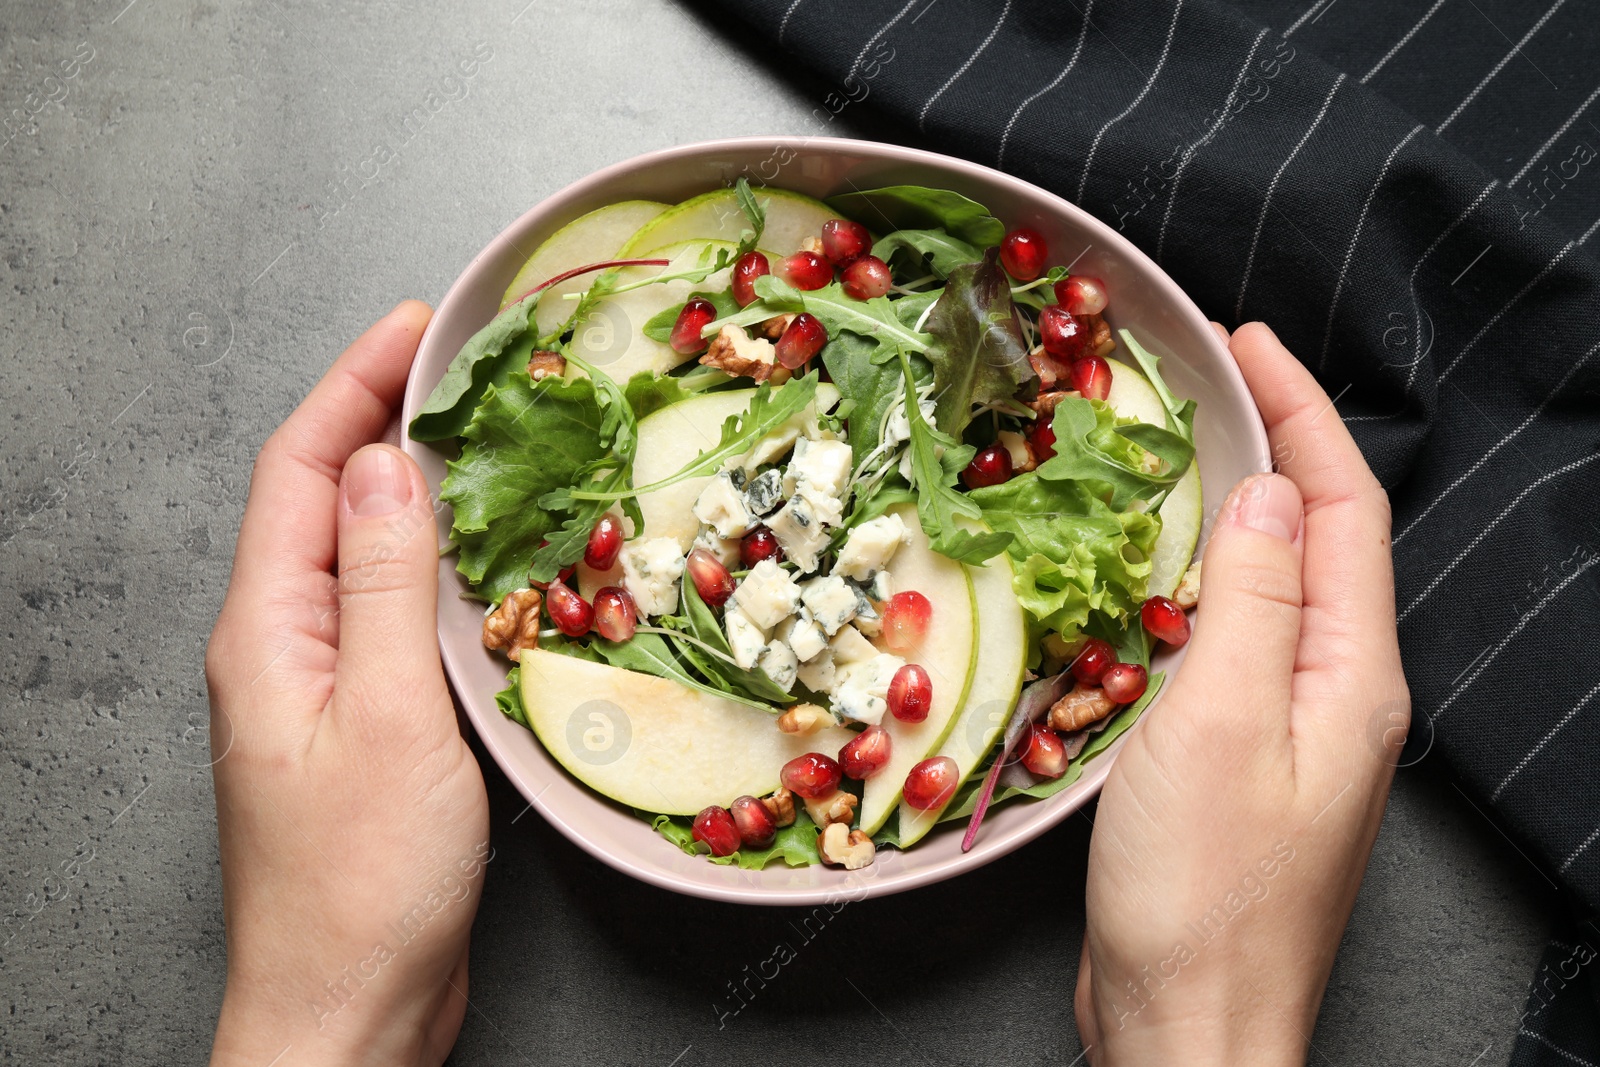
(285,550)
(1247,629)
(1348,625)
(388,595)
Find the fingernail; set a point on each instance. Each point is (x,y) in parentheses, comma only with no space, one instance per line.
(376,483)
(1269,503)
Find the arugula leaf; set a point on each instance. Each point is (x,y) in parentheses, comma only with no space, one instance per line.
(659,326)
(941,252)
(795,845)
(754,213)
(874,388)
(488,358)
(509,699)
(649,653)
(1092,448)
(981,357)
(906,207)
(874,319)
(1180,413)
(647,392)
(768,409)
(525,440)
(937,460)
(702,624)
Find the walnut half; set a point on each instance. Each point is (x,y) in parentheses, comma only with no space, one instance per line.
(739,354)
(780,806)
(841,846)
(803,719)
(547,365)
(514,625)
(1084,706)
(837,807)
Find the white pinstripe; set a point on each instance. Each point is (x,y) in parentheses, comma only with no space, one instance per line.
(1543,741)
(1161,63)
(1498,315)
(1565,126)
(1535,28)
(1266,202)
(1355,238)
(1489,529)
(1595,225)
(1568,862)
(1521,625)
(1083,31)
(885,28)
(1297,23)
(1390,54)
(973,58)
(1189,153)
(783,27)
(1545,1041)
(1523,425)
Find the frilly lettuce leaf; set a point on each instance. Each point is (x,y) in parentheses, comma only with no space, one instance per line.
(1092,448)
(795,845)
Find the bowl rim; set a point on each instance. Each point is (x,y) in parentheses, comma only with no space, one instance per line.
(1047,813)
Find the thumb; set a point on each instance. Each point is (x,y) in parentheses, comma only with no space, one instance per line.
(388,580)
(1247,630)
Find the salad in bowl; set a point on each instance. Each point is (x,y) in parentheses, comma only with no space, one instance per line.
(806,527)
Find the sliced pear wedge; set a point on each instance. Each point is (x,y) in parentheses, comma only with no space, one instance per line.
(1132,396)
(791,218)
(591,238)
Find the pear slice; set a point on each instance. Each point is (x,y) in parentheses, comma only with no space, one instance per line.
(653,743)
(791,218)
(948,653)
(1132,396)
(1002,656)
(670,438)
(591,238)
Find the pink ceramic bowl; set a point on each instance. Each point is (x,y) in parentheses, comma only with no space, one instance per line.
(1231,442)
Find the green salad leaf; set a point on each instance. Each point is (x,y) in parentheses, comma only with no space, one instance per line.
(935,248)
(1092,448)
(913,207)
(647,392)
(700,622)
(659,326)
(525,440)
(649,653)
(1180,413)
(487,359)
(795,845)
(875,319)
(980,357)
(873,388)
(509,699)
(755,213)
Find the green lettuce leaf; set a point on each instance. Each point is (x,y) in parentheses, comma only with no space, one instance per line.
(659,326)
(873,388)
(525,440)
(701,623)
(795,845)
(980,357)
(935,248)
(911,207)
(487,359)
(509,699)
(649,653)
(1092,448)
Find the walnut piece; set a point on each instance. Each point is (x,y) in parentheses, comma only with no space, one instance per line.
(737,353)
(547,365)
(773,328)
(1045,403)
(1187,595)
(837,807)
(514,625)
(1049,369)
(1079,708)
(780,806)
(804,719)
(811,244)
(840,846)
(1100,335)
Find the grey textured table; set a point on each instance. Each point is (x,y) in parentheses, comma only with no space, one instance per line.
(200,204)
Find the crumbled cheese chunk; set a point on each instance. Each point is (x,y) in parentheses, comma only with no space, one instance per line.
(861,692)
(871,546)
(764,492)
(725,549)
(831,602)
(818,673)
(779,663)
(1016,447)
(745,639)
(800,533)
(850,647)
(818,468)
(803,634)
(767,595)
(867,619)
(650,571)
(898,427)
(722,507)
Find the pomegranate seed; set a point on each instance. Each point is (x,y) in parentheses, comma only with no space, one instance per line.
(694,317)
(905,620)
(865,754)
(1042,440)
(811,776)
(616,616)
(751,266)
(1043,752)
(910,693)
(1063,336)
(1165,621)
(1091,376)
(805,270)
(1092,662)
(759,544)
(1081,295)
(803,339)
(572,614)
(711,579)
(991,466)
(1022,253)
(843,241)
(866,278)
(1125,682)
(605,541)
(932,782)
(716,828)
(757,828)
